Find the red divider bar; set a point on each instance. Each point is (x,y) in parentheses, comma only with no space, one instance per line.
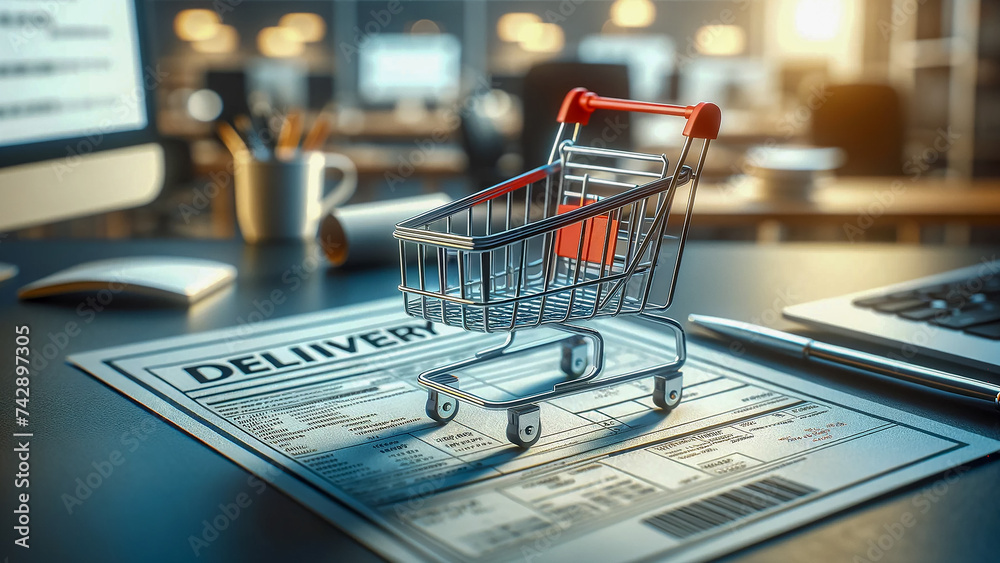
(517,182)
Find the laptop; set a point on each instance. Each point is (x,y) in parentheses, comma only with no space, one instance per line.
(954,316)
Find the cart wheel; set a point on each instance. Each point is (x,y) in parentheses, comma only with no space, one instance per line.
(667,390)
(441,407)
(524,425)
(574,356)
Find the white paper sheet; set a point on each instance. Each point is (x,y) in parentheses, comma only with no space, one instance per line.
(326,408)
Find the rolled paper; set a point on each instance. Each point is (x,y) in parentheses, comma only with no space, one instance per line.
(361,234)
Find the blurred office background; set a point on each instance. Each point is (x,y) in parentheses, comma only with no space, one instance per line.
(842,119)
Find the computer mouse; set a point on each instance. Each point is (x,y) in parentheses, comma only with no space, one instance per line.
(7,271)
(159,278)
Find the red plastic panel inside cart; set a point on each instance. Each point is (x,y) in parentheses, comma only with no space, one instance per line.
(593,236)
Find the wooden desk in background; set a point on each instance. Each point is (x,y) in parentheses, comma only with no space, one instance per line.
(853,205)
(849,205)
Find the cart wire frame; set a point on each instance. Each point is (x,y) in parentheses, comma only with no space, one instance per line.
(577,238)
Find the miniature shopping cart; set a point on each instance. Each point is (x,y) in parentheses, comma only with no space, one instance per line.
(593,233)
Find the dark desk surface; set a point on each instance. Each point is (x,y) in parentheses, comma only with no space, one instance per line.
(151,504)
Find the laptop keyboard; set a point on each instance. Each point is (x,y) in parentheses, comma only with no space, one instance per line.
(971,306)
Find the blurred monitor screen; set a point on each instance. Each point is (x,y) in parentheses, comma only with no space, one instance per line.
(283,82)
(76,132)
(67,69)
(729,81)
(649,58)
(394,67)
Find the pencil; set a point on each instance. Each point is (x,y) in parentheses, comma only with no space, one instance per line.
(318,134)
(291,131)
(231,138)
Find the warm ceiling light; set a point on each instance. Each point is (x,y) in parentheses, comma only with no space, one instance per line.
(542,38)
(510,25)
(720,40)
(308,27)
(225,40)
(633,13)
(429,27)
(279,42)
(818,20)
(196,25)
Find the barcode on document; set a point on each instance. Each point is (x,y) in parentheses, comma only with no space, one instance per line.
(730,506)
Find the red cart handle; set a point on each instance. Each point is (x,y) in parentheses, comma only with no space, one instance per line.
(703,119)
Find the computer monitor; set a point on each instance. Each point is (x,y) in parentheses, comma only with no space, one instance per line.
(740,82)
(649,58)
(394,67)
(76,129)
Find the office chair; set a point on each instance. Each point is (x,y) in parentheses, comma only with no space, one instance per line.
(546,85)
(484,145)
(319,90)
(231,87)
(866,121)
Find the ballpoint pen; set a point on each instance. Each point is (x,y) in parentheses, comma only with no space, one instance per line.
(245,126)
(810,349)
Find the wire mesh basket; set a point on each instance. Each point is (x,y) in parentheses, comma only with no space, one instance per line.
(596,232)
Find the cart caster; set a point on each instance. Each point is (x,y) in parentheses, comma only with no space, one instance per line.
(574,356)
(524,425)
(667,390)
(441,407)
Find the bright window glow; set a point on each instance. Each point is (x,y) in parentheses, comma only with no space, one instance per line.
(196,25)
(542,38)
(279,42)
(510,25)
(308,27)
(633,13)
(225,40)
(818,20)
(720,40)
(817,29)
